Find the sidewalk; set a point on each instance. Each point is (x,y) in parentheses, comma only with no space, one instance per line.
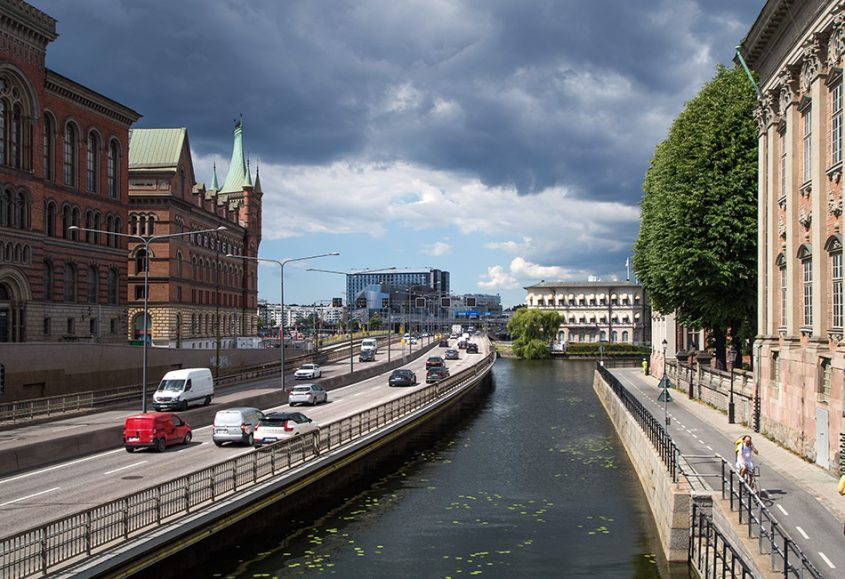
(813,479)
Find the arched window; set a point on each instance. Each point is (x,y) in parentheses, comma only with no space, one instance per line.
(6,208)
(151,225)
(21,210)
(90,236)
(70,164)
(141,261)
(625,336)
(613,336)
(70,282)
(50,219)
(49,161)
(834,248)
(93,286)
(118,228)
(66,222)
(112,289)
(49,281)
(4,112)
(93,166)
(179,264)
(133,225)
(142,225)
(16,137)
(114,175)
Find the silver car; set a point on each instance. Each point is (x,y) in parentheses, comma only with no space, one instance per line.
(235,425)
(312,394)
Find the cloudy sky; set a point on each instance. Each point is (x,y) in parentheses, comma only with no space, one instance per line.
(504,141)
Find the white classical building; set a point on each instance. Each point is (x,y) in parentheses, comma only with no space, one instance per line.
(593,311)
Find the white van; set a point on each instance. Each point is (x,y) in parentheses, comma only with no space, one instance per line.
(369,344)
(182,388)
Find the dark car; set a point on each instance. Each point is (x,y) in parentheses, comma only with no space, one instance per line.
(444,342)
(472,348)
(402,377)
(436,374)
(367,356)
(434,361)
(452,354)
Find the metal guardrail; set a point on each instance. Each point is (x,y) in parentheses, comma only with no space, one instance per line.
(660,439)
(41,550)
(28,410)
(772,539)
(712,555)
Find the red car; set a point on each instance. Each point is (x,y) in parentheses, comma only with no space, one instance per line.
(155,430)
(434,361)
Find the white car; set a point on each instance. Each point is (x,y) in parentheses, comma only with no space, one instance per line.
(280,425)
(312,394)
(308,372)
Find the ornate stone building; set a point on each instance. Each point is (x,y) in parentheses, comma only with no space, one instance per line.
(798,51)
(63,162)
(594,311)
(197,295)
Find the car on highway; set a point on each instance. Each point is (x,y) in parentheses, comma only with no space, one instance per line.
(311,394)
(472,348)
(434,361)
(436,374)
(402,377)
(156,430)
(308,372)
(235,425)
(280,425)
(452,354)
(367,356)
(444,342)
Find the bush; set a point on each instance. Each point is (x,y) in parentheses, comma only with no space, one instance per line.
(610,349)
(531,350)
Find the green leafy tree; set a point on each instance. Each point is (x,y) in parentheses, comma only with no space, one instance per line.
(375,323)
(696,253)
(532,332)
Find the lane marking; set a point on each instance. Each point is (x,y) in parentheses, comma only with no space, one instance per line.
(803,534)
(783,510)
(30,496)
(822,555)
(709,447)
(58,466)
(67,427)
(125,467)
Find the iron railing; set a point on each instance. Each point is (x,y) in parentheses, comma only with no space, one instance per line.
(660,439)
(710,552)
(70,538)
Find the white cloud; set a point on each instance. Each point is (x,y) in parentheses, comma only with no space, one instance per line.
(438,248)
(497,279)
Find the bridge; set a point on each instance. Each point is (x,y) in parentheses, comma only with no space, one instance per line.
(118,508)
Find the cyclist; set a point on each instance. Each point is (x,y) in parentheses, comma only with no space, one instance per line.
(744,458)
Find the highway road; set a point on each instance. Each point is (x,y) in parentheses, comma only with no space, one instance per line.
(818,533)
(38,496)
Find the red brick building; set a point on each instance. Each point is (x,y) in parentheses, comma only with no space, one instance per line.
(197,296)
(63,161)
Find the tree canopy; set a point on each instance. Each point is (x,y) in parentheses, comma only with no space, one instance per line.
(532,331)
(696,253)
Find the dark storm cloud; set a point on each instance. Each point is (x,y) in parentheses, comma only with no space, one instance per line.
(536,94)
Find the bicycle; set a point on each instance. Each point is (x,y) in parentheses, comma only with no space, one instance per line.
(750,477)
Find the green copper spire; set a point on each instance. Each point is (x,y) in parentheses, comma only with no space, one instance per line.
(237,175)
(214,185)
(247,178)
(257,181)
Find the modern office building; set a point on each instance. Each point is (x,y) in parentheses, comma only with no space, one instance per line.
(797,50)
(615,311)
(63,162)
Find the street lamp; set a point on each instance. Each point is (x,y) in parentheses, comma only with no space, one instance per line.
(281,264)
(665,383)
(146,240)
(731,406)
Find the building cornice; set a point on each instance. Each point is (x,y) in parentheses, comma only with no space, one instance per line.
(65,88)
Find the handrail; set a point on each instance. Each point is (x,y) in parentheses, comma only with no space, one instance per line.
(41,549)
(713,556)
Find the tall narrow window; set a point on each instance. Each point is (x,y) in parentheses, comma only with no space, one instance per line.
(70,156)
(783,164)
(16,136)
(92,285)
(48,148)
(70,283)
(49,281)
(113,171)
(141,261)
(836,289)
(807,126)
(783,296)
(112,289)
(807,269)
(4,111)
(50,220)
(92,164)
(836,123)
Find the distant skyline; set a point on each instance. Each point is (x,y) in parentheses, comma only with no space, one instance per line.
(504,142)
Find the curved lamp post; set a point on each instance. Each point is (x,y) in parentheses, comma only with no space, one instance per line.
(731,405)
(281,263)
(146,240)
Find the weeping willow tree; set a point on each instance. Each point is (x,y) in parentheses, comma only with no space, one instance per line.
(532,332)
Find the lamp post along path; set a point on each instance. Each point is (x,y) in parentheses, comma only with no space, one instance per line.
(146,240)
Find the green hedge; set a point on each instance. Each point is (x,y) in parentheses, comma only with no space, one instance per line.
(610,349)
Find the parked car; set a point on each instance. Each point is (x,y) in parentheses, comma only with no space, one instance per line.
(436,374)
(312,394)
(472,348)
(154,430)
(235,425)
(434,361)
(308,372)
(444,342)
(182,388)
(452,354)
(279,425)
(402,377)
(367,356)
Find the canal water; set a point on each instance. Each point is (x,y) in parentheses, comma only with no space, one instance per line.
(527,481)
